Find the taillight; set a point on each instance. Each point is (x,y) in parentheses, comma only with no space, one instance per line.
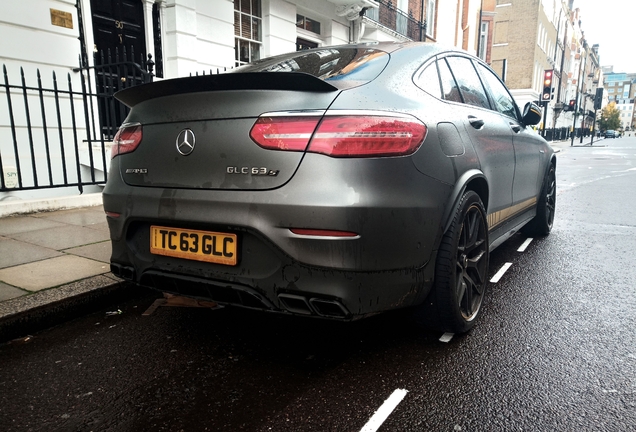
(342,135)
(284,133)
(127,139)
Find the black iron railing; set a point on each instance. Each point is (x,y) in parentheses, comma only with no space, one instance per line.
(57,133)
(391,17)
(114,72)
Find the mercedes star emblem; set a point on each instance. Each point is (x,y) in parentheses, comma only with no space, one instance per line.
(185,142)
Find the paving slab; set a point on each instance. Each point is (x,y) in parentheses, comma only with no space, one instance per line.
(52,272)
(98,251)
(103,226)
(82,217)
(8,292)
(14,252)
(63,237)
(20,224)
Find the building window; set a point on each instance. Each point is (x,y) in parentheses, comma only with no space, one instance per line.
(430,18)
(307,24)
(248,26)
(483,40)
(304,44)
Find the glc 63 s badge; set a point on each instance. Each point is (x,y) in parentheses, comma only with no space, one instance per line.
(255,171)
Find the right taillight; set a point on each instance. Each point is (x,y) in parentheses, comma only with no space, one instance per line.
(127,139)
(341,135)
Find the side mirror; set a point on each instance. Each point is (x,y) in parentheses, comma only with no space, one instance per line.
(531,114)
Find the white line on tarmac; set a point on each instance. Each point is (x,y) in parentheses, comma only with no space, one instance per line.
(446,337)
(500,273)
(384,411)
(525,244)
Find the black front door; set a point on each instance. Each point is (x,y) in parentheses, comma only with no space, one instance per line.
(118,24)
(120,53)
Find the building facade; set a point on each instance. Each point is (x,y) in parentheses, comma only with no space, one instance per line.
(532,37)
(621,89)
(89,47)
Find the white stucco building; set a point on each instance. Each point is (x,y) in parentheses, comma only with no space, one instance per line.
(75,39)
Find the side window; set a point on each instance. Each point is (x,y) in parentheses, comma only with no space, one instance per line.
(504,103)
(469,83)
(450,89)
(428,81)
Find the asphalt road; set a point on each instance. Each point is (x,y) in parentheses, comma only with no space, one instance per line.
(555,348)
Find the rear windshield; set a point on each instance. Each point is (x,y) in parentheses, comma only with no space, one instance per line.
(335,64)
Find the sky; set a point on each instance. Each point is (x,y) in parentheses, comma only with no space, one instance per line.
(610,24)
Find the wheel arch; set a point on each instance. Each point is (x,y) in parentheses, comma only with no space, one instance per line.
(473,180)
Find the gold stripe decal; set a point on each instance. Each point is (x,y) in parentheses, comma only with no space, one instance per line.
(501,216)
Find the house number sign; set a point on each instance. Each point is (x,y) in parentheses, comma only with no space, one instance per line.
(61,19)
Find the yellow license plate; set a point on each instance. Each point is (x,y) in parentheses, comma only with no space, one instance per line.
(208,246)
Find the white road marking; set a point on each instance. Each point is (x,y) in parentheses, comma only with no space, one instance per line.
(446,337)
(525,245)
(500,273)
(384,411)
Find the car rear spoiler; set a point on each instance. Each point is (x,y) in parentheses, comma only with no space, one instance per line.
(294,81)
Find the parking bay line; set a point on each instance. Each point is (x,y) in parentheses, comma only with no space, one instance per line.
(500,273)
(384,411)
(525,245)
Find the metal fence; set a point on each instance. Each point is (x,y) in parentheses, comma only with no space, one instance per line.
(57,132)
(391,17)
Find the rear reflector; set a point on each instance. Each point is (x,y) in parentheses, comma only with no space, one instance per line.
(342,135)
(322,233)
(127,139)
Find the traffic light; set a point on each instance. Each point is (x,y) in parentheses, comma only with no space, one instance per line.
(547,85)
(572,105)
(598,98)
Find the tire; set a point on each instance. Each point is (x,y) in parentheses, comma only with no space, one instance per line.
(542,223)
(461,268)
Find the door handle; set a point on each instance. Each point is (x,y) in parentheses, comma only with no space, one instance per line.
(515,127)
(475,122)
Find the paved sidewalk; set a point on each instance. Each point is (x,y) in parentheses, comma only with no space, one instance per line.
(49,258)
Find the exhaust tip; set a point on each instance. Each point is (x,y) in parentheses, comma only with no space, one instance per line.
(295,304)
(329,308)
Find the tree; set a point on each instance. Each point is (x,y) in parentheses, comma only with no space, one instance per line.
(610,118)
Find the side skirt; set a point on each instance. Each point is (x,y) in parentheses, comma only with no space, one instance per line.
(509,228)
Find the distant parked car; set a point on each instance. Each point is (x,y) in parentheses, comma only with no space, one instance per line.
(336,182)
(611,134)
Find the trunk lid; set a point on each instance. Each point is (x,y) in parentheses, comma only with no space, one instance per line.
(217,124)
(215,114)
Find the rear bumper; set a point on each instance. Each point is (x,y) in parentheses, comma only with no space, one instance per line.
(323,294)
(389,265)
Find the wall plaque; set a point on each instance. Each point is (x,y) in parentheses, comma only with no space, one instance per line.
(61,19)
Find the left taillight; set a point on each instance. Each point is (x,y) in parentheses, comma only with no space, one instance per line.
(337,135)
(284,133)
(127,139)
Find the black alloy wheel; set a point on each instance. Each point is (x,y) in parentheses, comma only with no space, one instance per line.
(462,267)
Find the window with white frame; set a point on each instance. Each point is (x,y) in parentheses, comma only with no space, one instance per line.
(248,26)
(430,18)
(308,24)
(483,40)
